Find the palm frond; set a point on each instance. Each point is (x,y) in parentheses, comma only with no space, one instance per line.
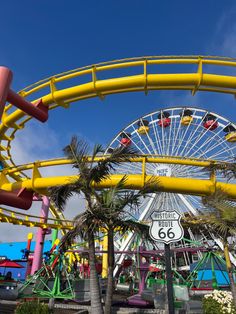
(104,167)
(59,195)
(97,150)
(226,168)
(212,222)
(67,240)
(130,199)
(118,200)
(112,195)
(77,151)
(133,198)
(151,186)
(130,225)
(218,202)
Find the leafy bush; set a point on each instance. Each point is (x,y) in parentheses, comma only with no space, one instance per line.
(32,307)
(220,302)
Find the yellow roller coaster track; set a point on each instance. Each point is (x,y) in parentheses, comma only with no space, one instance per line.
(17,218)
(136,181)
(146,78)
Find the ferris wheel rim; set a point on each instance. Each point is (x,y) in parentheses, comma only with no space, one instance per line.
(175,108)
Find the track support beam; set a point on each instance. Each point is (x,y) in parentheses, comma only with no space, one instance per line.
(38,110)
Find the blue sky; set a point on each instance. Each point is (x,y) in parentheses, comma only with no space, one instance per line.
(43,38)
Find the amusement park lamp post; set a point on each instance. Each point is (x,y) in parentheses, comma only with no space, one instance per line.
(166,228)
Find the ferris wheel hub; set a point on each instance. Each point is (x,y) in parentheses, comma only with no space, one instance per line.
(163,171)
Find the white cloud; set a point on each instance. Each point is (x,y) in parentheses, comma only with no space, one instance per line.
(224,40)
(37,142)
(228,46)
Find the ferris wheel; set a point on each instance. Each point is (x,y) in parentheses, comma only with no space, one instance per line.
(183,132)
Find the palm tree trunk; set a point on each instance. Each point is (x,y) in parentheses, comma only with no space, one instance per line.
(96,304)
(109,292)
(229,269)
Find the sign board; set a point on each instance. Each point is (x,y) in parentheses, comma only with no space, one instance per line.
(163,171)
(166,226)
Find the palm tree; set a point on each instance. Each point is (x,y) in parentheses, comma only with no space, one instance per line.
(220,221)
(111,213)
(116,206)
(89,222)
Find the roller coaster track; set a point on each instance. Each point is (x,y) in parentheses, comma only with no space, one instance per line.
(40,184)
(134,181)
(17,218)
(146,78)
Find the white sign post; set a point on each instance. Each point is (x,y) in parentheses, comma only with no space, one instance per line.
(166,228)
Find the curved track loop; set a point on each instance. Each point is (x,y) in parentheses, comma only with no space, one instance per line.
(17,218)
(147,77)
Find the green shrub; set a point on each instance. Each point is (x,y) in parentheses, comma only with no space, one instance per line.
(32,307)
(218,302)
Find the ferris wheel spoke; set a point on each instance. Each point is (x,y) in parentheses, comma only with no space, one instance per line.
(141,140)
(198,131)
(152,144)
(217,138)
(175,138)
(229,150)
(156,135)
(209,142)
(183,137)
(175,135)
(170,133)
(191,209)
(204,133)
(191,172)
(195,201)
(176,204)
(126,168)
(138,147)
(163,140)
(222,149)
(150,168)
(198,175)
(188,171)
(206,153)
(191,141)
(170,198)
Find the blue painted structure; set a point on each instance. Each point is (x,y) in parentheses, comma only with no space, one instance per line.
(213,266)
(12,251)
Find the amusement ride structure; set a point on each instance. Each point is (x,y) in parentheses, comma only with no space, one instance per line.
(177,145)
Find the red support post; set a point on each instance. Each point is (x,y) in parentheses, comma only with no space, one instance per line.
(5,82)
(39,111)
(19,199)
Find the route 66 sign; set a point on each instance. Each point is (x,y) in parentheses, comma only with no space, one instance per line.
(166,226)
